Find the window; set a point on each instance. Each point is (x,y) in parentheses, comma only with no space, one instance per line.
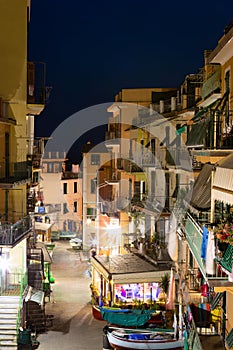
(93,185)
(75,207)
(50,167)
(227,81)
(65,208)
(75,187)
(95,159)
(36,176)
(65,188)
(57,168)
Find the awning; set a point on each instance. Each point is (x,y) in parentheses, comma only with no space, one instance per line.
(196,137)
(223,181)
(129,268)
(182,129)
(200,197)
(226,262)
(33,294)
(47,256)
(41,226)
(204,110)
(216,300)
(229,339)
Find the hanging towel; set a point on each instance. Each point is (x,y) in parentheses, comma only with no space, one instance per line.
(210,254)
(204,242)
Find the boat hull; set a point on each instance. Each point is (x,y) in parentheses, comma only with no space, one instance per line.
(96,313)
(126,317)
(118,342)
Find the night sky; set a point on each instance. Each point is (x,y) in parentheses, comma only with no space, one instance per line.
(93,49)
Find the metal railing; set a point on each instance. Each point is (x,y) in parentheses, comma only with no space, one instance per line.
(194,342)
(10,283)
(193,233)
(12,172)
(23,284)
(210,85)
(11,233)
(36,89)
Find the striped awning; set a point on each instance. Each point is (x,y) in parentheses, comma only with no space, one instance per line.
(200,197)
(229,339)
(216,300)
(222,189)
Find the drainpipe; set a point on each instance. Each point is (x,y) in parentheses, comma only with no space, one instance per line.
(6,205)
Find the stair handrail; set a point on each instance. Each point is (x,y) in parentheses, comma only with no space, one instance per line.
(23,284)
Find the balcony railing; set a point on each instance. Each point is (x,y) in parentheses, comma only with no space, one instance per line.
(212,84)
(13,172)
(37,93)
(194,238)
(11,233)
(193,338)
(12,283)
(112,135)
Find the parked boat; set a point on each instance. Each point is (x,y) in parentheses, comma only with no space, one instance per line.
(96,313)
(76,243)
(127,317)
(122,338)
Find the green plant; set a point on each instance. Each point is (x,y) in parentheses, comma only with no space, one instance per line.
(224,232)
(165,282)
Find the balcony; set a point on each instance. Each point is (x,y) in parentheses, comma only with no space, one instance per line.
(109,135)
(193,232)
(213,84)
(11,173)
(4,117)
(12,284)
(37,92)
(10,234)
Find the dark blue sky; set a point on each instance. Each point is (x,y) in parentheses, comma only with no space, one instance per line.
(93,49)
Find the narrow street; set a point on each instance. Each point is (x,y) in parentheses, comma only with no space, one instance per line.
(73,326)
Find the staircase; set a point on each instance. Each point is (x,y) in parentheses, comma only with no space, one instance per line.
(9,306)
(36,317)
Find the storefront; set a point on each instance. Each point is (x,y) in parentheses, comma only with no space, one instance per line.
(126,278)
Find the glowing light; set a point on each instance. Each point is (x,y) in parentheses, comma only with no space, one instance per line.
(88,221)
(4,263)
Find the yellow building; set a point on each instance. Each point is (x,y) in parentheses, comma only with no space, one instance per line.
(140,159)
(18,106)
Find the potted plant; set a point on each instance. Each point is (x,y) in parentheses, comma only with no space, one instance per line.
(164,285)
(224,232)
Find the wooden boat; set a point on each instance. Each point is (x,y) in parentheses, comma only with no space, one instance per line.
(97,311)
(121,338)
(127,317)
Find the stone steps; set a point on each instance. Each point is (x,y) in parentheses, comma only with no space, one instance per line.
(9,306)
